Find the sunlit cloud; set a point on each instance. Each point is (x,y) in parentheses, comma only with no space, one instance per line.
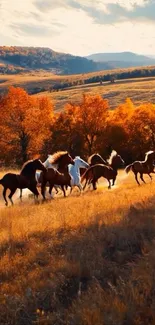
(79,27)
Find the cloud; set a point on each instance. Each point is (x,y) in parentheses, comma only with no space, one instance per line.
(34,30)
(46,5)
(105,12)
(115,12)
(79,27)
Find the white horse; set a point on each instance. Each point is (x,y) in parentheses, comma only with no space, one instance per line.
(74,171)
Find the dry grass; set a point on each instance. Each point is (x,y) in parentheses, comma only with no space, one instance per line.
(85,260)
(139,90)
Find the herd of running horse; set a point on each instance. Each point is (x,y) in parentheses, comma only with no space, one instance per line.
(61,170)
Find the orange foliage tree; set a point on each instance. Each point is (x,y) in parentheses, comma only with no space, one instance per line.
(65,133)
(141,129)
(117,127)
(25,123)
(28,127)
(91,117)
(79,127)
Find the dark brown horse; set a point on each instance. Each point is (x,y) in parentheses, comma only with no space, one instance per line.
(93,173)
(26,179)
(143,167)
(60,176)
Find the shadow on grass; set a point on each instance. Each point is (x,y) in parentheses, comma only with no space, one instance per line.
(70,270)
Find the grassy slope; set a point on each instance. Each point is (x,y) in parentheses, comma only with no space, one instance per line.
(139,90)
(81,260)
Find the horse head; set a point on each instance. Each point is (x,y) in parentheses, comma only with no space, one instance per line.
(80,162)
(67,159)
(115,160)
(150,157)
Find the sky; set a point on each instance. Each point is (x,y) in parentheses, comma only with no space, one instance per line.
(79,27)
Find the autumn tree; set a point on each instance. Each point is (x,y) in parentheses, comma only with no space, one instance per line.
(91,115)
(117,133)
(65,132)
(141,129)
(24,123)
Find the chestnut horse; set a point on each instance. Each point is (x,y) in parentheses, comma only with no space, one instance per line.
(143,167)
(93,173)
(26,179)
(57,177)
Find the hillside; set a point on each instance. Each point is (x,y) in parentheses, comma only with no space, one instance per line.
(122,59)
(36,58)
(59,266)
(14,60)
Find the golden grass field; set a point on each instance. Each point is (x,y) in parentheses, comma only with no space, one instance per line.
(139,89)
(83,260)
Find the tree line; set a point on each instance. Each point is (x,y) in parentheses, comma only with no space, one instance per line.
(29,127)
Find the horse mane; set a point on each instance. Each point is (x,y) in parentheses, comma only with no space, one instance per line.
(113,154)
(147,154)
(92,156)
(27,167)
(56,157)
(26,163)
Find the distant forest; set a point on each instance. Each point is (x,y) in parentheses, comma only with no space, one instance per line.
(15,59)
(129,74)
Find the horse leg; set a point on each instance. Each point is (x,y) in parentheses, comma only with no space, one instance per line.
(109,187)
(50,190)
(34,190)
(141,176)
(4,195)
(150,176)
(20,195)
(136,179)
(85,185)
(80,187)
(62,186)
(56,189)
(43,188)
(114,179)
(94,184)
(71,189)
(11,194)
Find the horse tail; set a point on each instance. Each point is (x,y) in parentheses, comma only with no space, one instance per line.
(128,168)
(1,181)
(88,174)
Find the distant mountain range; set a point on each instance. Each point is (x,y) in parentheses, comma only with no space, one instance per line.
(122,59)
(19,59)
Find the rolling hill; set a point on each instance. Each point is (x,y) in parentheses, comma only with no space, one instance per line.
(122,59)
(15,59)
